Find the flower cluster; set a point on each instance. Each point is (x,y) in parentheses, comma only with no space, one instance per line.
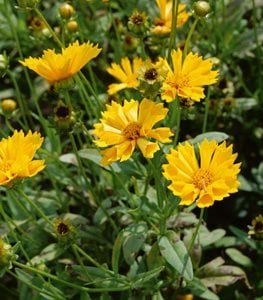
(186,79)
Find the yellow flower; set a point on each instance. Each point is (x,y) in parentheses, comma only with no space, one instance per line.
(126,73)
(188,76)
(57,67)
(163,25)
(124,127)
(211,178)
(16,154)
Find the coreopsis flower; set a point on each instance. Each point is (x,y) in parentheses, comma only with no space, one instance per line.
(163,24)
(59,67)
(123,127)
(209,178)
(188,77)
(16,156)
(256,228)
(151,76)
(126,73)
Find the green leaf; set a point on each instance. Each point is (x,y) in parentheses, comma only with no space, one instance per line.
(141,278)
(116,252)
(212,135)
(176,255)
(135,236)
(49,253)
(207,238)
(94,156)
(239,257)
(200,290)
(243,236)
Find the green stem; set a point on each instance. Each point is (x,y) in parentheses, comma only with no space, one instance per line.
(73,285)
(52,32)
(189,37)
(175,118)
(172,42)
(37,209)
(206,111)
(190,249)
(90,259)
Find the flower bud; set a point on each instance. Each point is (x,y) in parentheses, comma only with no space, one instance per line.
(201,8)
(66,10)
(27,4)
(8,105)
(72,26)
(7,255)
(64,230)
(138,22)
(3,62)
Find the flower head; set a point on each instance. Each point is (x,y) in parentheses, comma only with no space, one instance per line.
(210,178)
(57,67)
(16,156)
(163,24)
(124,126)
(187,77)
(126,73)
(151,76)
(7,256)
(256,229)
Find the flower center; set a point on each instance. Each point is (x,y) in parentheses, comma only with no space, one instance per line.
(259,226)
(179,82)
(132,131)
(62,228)
(202,178)
(150,74)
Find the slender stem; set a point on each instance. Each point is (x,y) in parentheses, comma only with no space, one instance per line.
(190,249)
(37,209)
(189,37)
(175,118)
(90,259)
(172,42)
(206,111)
(73,285)
(52,32)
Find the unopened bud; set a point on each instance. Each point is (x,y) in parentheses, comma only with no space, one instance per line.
(8,105)
(138,22)
(66,10)
(27,4)
(72,26)
(201,8)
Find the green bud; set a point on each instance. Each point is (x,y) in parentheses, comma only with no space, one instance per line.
(201,8)
(3,62)
(27,4)
(66,10)
(138,23)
